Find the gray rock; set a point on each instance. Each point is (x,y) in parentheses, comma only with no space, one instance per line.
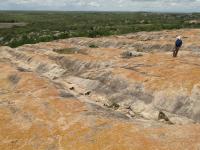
(130,54)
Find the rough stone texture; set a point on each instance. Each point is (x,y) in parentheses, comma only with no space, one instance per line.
(97,99)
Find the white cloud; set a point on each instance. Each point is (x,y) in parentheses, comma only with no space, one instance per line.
(107,5)
(94,4)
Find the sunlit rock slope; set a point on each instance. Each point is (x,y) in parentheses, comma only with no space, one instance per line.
(109,93)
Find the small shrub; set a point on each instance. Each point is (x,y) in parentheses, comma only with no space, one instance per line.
(93,46)
(66,51)
(114,106)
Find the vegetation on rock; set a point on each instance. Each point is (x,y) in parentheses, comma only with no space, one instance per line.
(48,26)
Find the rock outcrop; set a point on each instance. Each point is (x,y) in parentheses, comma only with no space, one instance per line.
(126,92)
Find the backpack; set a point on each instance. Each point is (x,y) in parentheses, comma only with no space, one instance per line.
(179,43)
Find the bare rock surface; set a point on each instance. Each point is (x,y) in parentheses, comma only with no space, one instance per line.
(127,92)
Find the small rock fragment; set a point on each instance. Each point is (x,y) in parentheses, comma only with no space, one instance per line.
(88,93)
(72,88)
(130,54)
(163,117)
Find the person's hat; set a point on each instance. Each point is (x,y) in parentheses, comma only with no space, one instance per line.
(179,37)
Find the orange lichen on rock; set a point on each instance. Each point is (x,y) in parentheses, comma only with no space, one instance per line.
(96,99)
(29,120)
(161,71)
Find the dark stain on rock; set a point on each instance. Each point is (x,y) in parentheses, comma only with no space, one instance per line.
(42,68)
(65,94)
(14,79)
(23,69)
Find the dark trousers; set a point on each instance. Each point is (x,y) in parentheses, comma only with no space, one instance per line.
(175,51)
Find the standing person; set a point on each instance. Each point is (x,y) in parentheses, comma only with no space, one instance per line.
(178,45)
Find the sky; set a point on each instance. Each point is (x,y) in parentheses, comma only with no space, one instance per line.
(103,5)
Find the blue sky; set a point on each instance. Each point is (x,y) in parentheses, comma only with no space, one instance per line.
(103,5)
